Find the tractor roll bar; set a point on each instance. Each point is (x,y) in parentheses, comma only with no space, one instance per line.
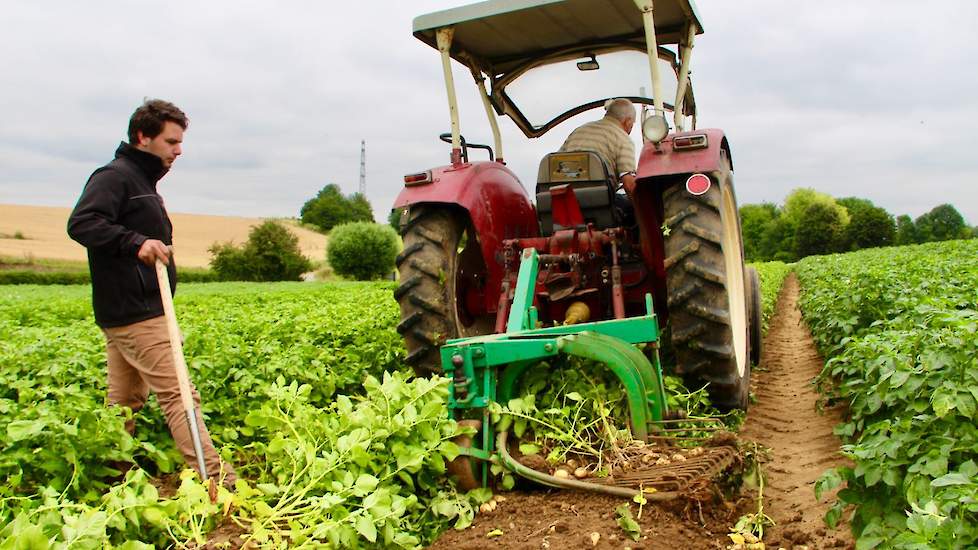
(444,36)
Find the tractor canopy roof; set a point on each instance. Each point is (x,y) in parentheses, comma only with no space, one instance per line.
(504,39)
(502,35)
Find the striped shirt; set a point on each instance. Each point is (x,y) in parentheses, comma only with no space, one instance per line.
(607,138)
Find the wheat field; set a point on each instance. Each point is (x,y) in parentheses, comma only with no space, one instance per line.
(38,232)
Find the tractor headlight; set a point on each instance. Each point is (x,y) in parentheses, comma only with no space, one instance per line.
(655,128)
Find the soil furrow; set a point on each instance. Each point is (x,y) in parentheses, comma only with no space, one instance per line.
(799,439)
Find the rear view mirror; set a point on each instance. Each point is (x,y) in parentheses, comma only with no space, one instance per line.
(589,65)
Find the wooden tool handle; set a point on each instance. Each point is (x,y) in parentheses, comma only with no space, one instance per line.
(176,345)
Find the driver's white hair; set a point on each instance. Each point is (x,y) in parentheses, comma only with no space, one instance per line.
(621,109)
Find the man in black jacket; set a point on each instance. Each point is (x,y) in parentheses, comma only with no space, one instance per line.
(122,222)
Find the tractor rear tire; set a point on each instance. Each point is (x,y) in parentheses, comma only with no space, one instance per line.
(756,321)
(708,309)
(441,256)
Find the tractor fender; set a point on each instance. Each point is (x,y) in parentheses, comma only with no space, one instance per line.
(494,200)
(664,160)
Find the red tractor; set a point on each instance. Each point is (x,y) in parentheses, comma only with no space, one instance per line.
(603,247)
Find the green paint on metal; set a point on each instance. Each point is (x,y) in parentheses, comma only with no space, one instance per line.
(488,369)
(526,283)
(643,386)
(634,330)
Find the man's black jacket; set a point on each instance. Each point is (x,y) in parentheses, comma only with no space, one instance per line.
(118,210)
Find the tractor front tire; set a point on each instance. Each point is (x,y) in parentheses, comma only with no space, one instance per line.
(441,256)
(708,311)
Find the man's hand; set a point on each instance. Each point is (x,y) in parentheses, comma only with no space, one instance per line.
(152,250)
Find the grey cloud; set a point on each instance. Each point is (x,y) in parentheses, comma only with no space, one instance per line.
(828,94)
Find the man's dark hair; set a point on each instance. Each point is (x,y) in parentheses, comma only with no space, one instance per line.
(150,117)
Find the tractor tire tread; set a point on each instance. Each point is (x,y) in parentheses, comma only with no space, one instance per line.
(408,251)
(427,267)
(406,286)
(699,316)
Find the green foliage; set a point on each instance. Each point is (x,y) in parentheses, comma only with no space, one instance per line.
(906,231)
(32,277)
(797,203)
(394,218)
(941,223)
(330,208)
(37,277)
(820,230)
(900,328)
(757,223)
(362,250)
(336,451)
(772,275)
(869,225)
(623,516)
(576,408)
(787,234)
(271,254)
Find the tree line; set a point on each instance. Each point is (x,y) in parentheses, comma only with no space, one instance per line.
(811,223)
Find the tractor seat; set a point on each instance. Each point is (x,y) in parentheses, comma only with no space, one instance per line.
(592,182)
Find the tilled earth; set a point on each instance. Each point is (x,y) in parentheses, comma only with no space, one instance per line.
(784,421)
(569,519)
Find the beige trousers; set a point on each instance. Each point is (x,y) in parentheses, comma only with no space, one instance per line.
(140,361)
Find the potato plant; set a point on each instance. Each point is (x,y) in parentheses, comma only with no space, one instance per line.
(899,329)
(303,390)
(772,275)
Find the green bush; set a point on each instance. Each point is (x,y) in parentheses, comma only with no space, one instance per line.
(330,208)
(362,250)
(271,254)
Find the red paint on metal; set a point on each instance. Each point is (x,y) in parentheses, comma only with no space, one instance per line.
(664,161)
(566,209)
(697,184)
(496,203)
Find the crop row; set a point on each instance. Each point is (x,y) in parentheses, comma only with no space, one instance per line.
(899,329)
(296,393)
(772,275)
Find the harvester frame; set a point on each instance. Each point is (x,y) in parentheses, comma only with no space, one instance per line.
(491,284)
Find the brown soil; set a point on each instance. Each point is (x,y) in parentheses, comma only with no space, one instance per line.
(568,519)
(43,228)
(784,419)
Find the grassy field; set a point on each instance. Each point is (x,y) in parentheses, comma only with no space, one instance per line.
(35,235)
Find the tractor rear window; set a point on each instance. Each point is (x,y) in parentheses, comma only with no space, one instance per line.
(546,92)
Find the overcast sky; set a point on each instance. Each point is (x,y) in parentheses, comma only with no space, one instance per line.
(874,98)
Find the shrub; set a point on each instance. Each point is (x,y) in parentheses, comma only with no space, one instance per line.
(362,250)
(271,254)
(330,208)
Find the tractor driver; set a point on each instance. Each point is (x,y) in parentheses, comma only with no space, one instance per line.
(608,137)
